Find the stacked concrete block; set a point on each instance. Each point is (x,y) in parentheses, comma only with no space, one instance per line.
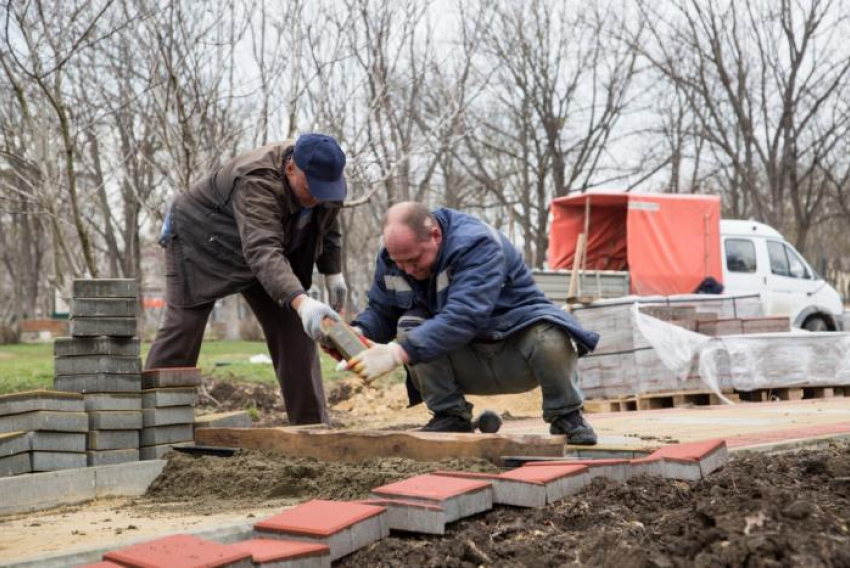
(168,409)
(101,361)
(42,431)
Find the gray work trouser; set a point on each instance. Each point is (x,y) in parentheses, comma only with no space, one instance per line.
(540,355)
(293,352)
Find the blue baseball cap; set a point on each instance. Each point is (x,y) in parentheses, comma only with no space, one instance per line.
(322,161)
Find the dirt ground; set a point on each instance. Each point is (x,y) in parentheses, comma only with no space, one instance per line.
(201,484)
(351,404)
(761,511)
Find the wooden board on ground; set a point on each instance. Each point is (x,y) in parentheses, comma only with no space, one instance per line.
(350,445)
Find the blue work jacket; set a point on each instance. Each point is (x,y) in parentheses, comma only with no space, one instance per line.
(479,290)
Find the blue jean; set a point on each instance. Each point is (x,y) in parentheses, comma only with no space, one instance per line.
(539,355)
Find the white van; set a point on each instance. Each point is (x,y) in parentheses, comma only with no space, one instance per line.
(757,260)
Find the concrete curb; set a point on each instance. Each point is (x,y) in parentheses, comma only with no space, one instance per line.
(33,492)
(225,534)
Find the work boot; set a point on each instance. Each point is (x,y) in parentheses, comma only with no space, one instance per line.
(575,428)
(442,422)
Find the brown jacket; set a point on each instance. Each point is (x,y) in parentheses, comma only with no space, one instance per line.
(234,227)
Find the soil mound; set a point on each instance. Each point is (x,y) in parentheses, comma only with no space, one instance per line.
(254,476)
(787,510)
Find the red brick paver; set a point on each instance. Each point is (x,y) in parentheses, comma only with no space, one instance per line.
(177,551)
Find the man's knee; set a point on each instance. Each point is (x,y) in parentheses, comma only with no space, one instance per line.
(409,321)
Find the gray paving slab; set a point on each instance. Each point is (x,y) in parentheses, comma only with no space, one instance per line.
(167,416)
(14,443)
(94,327)
(113,440)
(15,465)
(45,420)
(236,419)
(112,401)
(410,516)
(105,288)
(67,487)
(45,490)
(28,401)
(54,461)
(176,396)
(58,441)
(104,307)
(128,479)
(92,364)
(79,346)
(115,420)
(171,377)
(98,383)
(159,435)
(111,457)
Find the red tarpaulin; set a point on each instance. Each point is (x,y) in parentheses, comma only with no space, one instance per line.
(668,243)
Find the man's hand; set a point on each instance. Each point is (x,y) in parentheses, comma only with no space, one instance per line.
(312,313)
(337,290)
(376,361)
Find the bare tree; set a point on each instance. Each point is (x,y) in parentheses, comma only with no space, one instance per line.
(768,83)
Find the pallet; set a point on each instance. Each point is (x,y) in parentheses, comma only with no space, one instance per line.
(655,401)
(690,398)
(793,393)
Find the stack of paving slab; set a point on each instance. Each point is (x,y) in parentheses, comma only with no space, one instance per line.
(316,533)
(101,362)
(168,407)
(625,363)
(42,431)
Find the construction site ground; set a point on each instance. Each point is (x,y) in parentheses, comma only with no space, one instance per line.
(762,509)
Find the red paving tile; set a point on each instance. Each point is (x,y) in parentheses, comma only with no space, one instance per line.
(104,564)
(177,551)
(543,474)
(318,518)
(689,451)
(267,550)
(431,487)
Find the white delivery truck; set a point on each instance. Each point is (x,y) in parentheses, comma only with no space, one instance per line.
(758,260)
(665,245)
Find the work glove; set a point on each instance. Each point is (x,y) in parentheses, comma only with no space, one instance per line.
(337,290)
(312,312)
(376,361)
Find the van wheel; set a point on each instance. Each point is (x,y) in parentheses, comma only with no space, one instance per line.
(816,323)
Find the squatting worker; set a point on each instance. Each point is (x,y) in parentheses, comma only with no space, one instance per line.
(467,318)
(257,226)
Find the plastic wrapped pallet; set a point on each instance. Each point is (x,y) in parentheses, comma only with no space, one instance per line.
(750,362)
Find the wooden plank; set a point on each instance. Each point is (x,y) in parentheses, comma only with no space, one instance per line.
(350,445)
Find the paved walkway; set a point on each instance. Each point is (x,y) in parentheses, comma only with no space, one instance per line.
(743,425)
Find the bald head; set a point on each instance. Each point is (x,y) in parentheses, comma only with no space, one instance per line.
(412,237)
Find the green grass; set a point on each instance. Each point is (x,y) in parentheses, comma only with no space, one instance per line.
(30,366)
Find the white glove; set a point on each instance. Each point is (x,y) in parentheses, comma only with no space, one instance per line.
(312,312)
(337,290)
(376,361)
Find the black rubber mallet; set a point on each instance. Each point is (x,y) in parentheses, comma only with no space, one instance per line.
(488,422)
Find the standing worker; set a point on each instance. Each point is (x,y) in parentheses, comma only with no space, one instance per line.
(468,318)
(257,226)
